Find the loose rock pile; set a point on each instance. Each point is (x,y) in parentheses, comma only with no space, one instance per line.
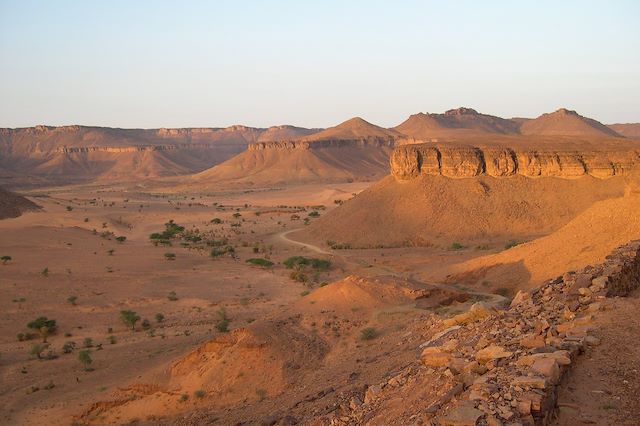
(506,365)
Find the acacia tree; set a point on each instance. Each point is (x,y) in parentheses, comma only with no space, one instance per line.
(130,318)
(44,326)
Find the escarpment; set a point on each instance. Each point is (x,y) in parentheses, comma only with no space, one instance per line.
(410,161)
(364,142)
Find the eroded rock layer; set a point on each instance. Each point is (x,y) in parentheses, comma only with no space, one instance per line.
(410,161)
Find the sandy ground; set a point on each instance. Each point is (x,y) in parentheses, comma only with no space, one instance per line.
(309,334)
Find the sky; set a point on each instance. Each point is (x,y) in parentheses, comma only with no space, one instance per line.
(313,63)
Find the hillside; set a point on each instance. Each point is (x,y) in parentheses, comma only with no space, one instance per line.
(468,196)
(460,122)
(564,122)
(628,130)
(303,162)
(13,205)
(355,128)
(71,154)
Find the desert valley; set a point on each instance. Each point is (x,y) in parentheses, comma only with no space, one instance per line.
(456,269)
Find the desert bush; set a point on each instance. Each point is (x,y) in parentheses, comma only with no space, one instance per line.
(172,296)
(72,300)
(130,318)
(170,256)
(456,246)
(121,239)
(5,259)
(84,356)
(262,394)
(112,339)
(368,333)
(314,214)
(146,325)
(299,262)
(45,272)
(223,321)
(159,317)
(44,326)
(260,262)
(511,244)
(216,221)
(37,349)
(199,393)
(87,342)
(183,397)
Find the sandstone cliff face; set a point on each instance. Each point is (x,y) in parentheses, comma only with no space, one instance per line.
(410,161)
(325,143)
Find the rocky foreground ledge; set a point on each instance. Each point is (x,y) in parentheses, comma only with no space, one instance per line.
(410,161)
(501,367)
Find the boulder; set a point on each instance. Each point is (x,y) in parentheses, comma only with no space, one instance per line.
(492,352)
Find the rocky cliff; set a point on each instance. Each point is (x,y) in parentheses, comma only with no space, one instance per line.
(325,143)
(410,161)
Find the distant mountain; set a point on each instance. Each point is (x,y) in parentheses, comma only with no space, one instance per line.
(354,128)
(628,130)
(460,122)
(564,122)
(70,154)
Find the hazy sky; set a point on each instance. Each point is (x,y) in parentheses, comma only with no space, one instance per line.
(313,63)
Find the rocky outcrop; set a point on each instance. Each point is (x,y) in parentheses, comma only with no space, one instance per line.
(324,143)
(410,161)
(120,149)
(507,364)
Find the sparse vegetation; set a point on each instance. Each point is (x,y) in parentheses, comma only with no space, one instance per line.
(44,326)
(511,244)
(87,342)
(37,349)
(121,239)
(222,325)
(456,246)
(130,318)
(68,347)
(368,333)
(159,317)
(260,262)
(199,394)
(262,394)
(170,256)
(172,296)
(84,356)
(5,259)
(72,300)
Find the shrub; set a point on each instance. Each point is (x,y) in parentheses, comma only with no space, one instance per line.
(262,394)
(121,239)
(299,262)
(314,214)
(199,393)
(511,244)
(68,347)
(172,296)
(216,221)
(45,272)
(456,246)
(260,262)
(183,397)
(37,349)
(159,317)
(112,339)
(72,300)
(5,259)
(146,324)
(44,326)
(84,356)
(223,321)
(368,333)
(170,256)
(130,318)
(88,342)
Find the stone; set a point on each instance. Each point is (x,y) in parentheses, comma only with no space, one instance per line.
(520,298)
(532,341)
(547,367)
(534,382)
(372,393)
(490,353)
(477,311)
(464,413)
(435,357)
(439,335)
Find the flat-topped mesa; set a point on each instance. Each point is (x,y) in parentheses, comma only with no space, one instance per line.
(373,141)
(410,161)
(120,149)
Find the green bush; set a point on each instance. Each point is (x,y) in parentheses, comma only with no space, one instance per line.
(130,318)
(368,333)
(43,326)
(84,356)
(456,246)
(260,262)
